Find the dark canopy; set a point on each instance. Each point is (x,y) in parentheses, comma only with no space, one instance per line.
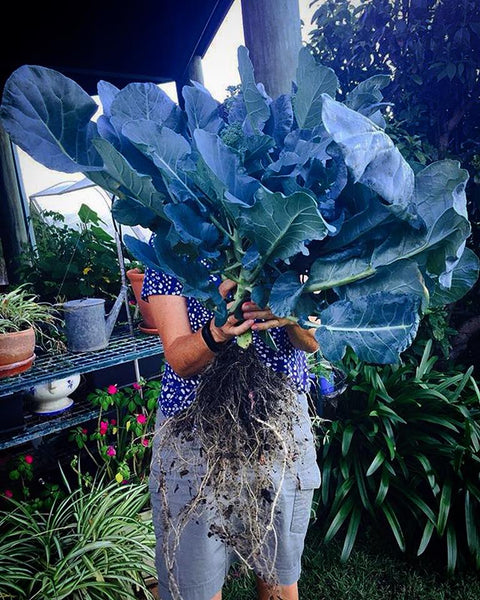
(115,41)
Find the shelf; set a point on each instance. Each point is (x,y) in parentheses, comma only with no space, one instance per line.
(36,426)
(122,348)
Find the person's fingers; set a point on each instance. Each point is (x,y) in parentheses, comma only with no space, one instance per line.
(258,314)
(264,325)
(242,328)
(226,286)
(230,329)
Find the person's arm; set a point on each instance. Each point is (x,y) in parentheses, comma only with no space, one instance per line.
(185,351)
(303,339)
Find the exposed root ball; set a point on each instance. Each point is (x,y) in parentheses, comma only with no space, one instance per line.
(240,430)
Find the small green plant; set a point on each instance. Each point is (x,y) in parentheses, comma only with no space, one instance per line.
(20,310)
(24,484)
(122,436)
(68,262)
(90,545)
(403,454)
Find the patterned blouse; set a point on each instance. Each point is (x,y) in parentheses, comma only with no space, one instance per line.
(178,392)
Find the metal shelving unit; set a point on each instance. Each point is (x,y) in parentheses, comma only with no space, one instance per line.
(122,348)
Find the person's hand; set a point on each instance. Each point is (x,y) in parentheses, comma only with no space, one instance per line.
(233,326)
(263,317)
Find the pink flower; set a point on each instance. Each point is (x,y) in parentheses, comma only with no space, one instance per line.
(8,494)
(112,389)
(84,431)
(145,442)
(141,419)
(29,459)
(137,386)
(113,421)
(103,427)
(111,451)
(132,302)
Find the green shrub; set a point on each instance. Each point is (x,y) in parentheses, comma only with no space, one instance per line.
(402,454)
(70,263)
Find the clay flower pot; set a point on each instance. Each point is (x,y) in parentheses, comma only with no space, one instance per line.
(135,276)
(17,352)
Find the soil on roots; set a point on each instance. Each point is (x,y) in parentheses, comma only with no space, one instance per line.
(240,429)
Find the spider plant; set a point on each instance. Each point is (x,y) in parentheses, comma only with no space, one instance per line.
(90,545)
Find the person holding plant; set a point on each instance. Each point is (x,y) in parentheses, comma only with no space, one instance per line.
(206,547)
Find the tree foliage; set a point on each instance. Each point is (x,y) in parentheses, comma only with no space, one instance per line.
(429,47)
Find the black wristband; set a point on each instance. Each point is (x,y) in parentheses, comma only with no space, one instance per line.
(209,341)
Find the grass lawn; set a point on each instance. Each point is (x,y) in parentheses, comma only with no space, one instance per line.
(371,573)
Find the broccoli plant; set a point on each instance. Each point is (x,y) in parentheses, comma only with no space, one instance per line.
(302,200)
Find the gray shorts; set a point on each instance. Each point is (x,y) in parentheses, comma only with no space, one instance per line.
(202,561)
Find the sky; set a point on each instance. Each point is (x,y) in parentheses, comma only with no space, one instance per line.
(219,67)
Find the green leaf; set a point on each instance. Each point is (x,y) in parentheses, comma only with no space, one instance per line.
(166,148)
(257,108)
(58,113)
(201,108)
(404,278)
(376,463)
(326,472)
(377,327)
(129,182)
(224,172)
(370,155)
(452,550)
(279,225)
(340,517)
(427,467)
(351,535)
(286,291)
(144,101)
(471,529)
(444,506)
(347,438)
(313,80)
(326,274)
(426,537)
(383,487)
(394,524)
(464,277)
(360,483)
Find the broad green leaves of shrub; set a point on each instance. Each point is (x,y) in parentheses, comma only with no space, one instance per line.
(403,453)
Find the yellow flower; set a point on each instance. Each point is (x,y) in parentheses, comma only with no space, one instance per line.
(127,425)
(114,430)
(86,270)
(119,478)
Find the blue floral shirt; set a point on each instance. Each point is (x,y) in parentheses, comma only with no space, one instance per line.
(178,392)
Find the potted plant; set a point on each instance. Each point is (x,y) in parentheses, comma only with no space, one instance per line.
(135,276)
(21,319)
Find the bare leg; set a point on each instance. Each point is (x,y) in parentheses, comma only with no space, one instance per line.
(218,596)
(278,592)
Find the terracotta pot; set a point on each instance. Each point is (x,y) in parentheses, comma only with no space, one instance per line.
(135,276)
(17,352)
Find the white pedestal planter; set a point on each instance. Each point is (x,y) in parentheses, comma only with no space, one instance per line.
(53,397)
